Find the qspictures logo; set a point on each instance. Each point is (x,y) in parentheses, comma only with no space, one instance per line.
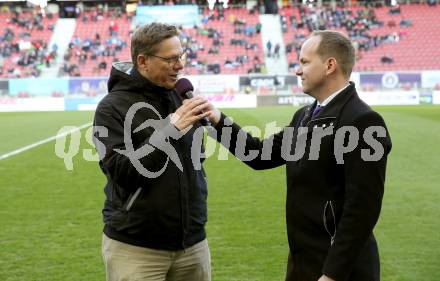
(164,134)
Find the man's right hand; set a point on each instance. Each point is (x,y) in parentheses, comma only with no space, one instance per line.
(191,111)
(215,114)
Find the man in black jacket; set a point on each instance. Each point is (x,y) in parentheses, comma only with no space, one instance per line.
(335,152)
(155,208)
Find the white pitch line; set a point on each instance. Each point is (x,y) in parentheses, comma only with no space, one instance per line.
(25,148)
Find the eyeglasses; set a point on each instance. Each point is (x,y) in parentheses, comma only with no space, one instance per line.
(172,61)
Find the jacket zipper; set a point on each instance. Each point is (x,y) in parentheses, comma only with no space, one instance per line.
(132,198)
(182,201)
(324,218)
(173,105)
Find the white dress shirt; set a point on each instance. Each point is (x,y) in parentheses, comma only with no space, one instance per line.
(331,97)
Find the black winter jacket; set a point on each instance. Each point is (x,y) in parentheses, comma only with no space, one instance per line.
(168,210)
(333,200)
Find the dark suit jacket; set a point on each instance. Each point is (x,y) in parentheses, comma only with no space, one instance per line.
(331,207)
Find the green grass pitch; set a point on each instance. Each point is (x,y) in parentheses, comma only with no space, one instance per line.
(50,218)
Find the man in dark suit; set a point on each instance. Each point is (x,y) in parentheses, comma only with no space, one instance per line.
(335,152)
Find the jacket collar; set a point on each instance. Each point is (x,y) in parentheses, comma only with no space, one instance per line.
(124,77)
(332,109)
(149,88)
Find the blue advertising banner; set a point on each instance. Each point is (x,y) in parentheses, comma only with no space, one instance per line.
(44,87)
(391,80)
(88,86)
(186,15)
(426,97)
(431,79)
(80,104)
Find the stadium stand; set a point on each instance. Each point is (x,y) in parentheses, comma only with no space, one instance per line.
(100,38)
(422,35)
(231,43)
(385,37)
(228,41)
(24,42)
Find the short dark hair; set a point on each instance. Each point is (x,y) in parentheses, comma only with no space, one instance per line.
(335,44)
(146,38)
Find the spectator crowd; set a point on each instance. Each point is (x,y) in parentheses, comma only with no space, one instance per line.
(357,23)
(23,51)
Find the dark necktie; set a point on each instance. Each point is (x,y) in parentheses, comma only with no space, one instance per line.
(316,111)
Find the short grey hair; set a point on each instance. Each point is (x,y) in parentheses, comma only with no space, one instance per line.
(146,38)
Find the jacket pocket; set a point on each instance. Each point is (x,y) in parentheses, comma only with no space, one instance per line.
(329,220)
(132,199)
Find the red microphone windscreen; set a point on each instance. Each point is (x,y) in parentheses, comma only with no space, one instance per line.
(183,86)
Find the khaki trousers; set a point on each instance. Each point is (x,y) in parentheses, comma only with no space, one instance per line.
(125,262)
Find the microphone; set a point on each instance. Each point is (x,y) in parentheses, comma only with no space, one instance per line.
(186,91)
